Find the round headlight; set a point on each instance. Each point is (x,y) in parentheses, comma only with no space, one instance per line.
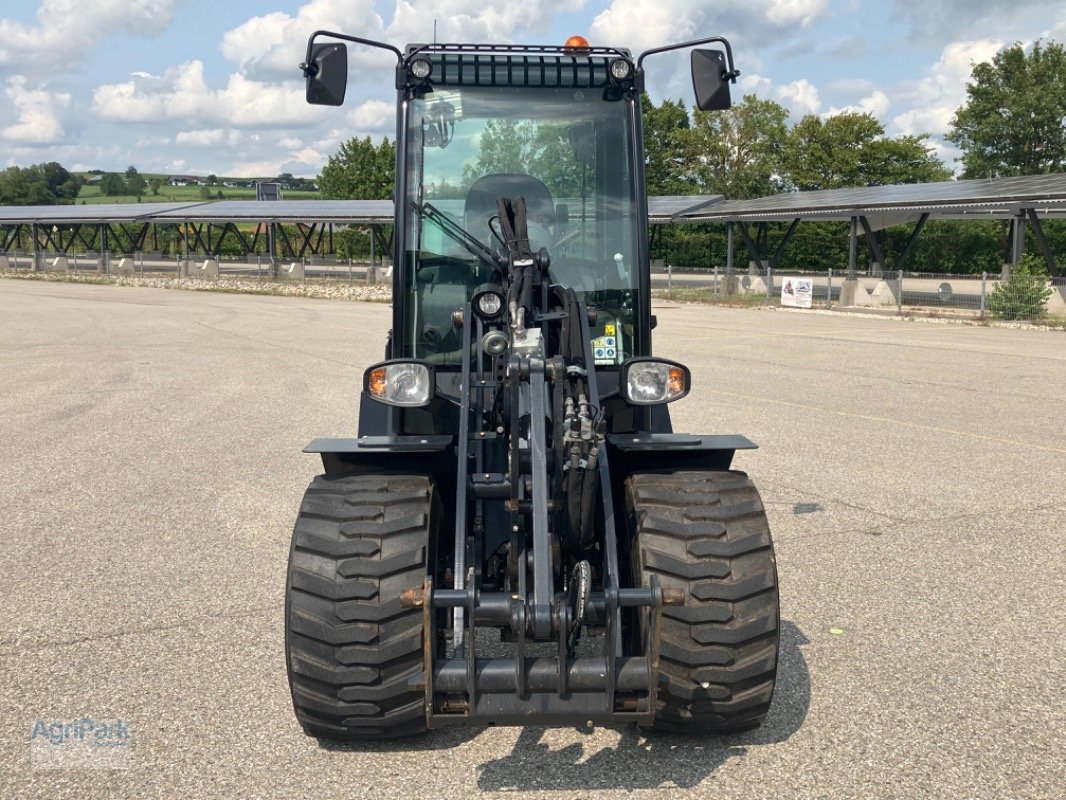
(420,68)
(621,69)
(488,302)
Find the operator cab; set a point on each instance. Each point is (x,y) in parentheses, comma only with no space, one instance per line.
(568,152)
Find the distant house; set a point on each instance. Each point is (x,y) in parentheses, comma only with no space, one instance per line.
(185,180)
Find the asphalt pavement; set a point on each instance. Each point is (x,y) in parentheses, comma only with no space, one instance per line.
(150,471)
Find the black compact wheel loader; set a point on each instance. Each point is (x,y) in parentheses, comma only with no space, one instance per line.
(516,535)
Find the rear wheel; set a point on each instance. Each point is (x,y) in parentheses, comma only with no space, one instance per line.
(351,648)
(706,533)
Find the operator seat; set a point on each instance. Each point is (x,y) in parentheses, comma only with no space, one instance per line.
(481,202)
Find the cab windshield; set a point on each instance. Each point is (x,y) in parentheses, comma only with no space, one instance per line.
(567,152)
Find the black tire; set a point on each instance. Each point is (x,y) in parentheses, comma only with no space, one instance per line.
(706,533)
(350,647)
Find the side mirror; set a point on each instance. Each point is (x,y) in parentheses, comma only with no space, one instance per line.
(709,80)
(327,74)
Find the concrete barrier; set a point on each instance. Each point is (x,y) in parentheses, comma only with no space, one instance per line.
(751,284)
(58,264)
(5,263)
(1056,303)
(209,268)
(853,293)
(886,293)
(125,266)
(295,270)
(183,269)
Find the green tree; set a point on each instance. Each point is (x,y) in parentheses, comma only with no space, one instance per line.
(360,171)
(135,182)
(545,151)
(154,184)
(40,184)
(666,129)
(112,184)
(1024,294)
(506,145)
(851,149)
(738,153)
(1014,119)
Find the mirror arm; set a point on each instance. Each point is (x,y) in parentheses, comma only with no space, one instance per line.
(731,74)
(310,69)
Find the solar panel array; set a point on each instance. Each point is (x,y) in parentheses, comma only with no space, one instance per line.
(365,212)
(992,198)
(339,211)
(662,209)
(96,213)
(997,197)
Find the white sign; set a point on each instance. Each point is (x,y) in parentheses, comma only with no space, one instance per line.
(797,292)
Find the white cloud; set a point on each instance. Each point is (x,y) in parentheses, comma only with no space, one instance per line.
(641,25)
(876,104)
(214,137)
(796,12)
(37,113)
(800,96)
(373,116)
(753,83)
(182,94)
(475,20)
(934,99)
(271,46)
(67,30)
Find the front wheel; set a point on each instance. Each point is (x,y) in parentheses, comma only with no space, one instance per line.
(351,648)
(706,533)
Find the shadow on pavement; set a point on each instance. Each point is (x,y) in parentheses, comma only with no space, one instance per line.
(650,761)
(442,739)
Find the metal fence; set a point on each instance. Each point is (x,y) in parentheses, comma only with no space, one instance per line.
(251,267)
(1021,297)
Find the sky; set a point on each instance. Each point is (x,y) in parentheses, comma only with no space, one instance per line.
(207,87)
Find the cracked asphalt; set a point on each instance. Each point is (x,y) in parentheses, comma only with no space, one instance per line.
(151,469)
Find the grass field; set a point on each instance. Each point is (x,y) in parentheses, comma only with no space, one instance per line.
(177,194)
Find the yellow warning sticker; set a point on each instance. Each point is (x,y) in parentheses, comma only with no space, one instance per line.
(608,329)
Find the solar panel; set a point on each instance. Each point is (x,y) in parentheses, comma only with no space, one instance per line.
(340,211)
(997,197)
(94,213)
(663,208)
